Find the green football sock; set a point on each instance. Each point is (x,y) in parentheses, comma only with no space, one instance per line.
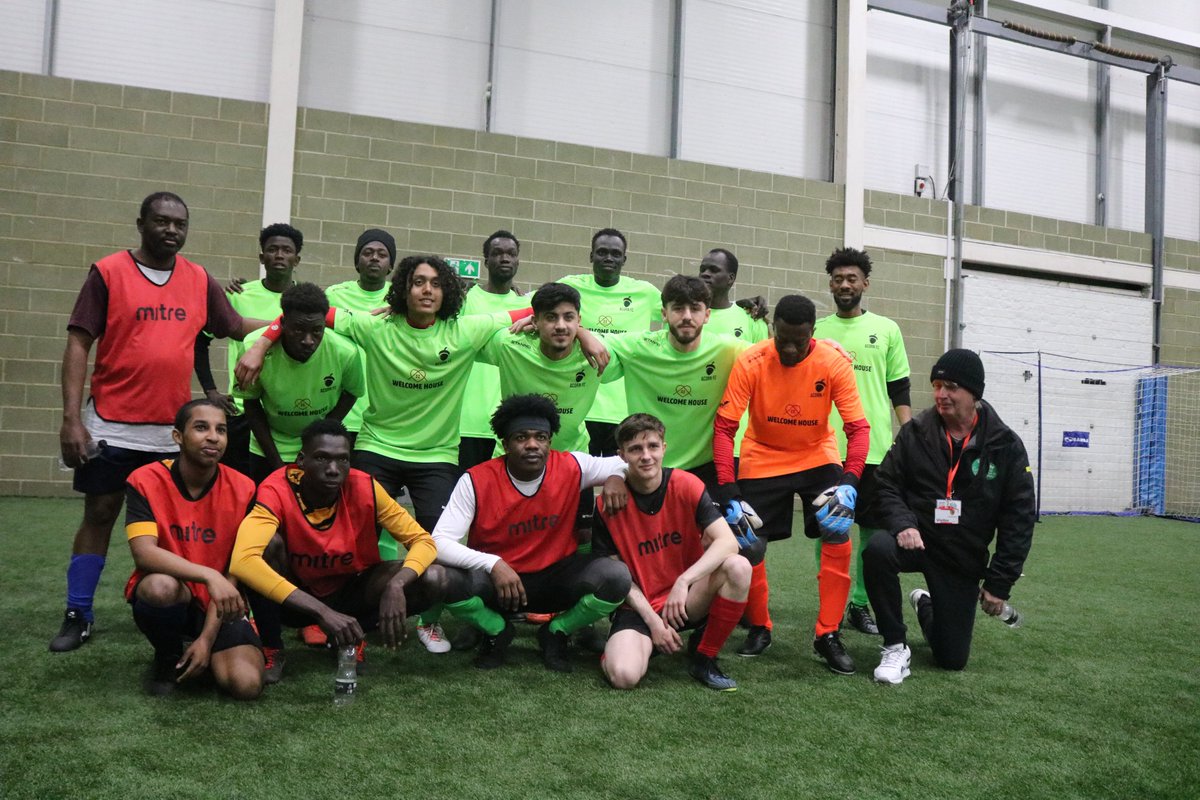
(585,547)
(858,596)
(589,609)
(431,615)
(476,613)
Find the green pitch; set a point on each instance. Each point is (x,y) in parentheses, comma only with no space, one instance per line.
(1097,696)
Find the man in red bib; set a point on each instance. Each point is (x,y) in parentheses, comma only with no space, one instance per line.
(310,545)
(683,559)
(143,309)
(181,518)
(517,513)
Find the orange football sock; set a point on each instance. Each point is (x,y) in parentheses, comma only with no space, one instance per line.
(833,585)
(756,604)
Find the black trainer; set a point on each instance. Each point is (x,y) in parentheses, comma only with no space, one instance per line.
(555,648)
(757,641)
(466,638)
(694,639)
(706,670)
(160,681)
(829,648)
(75,631)
(861,620)
(591,639)
(493,650)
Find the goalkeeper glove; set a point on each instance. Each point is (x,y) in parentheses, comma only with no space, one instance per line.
(836,509)
(744,521)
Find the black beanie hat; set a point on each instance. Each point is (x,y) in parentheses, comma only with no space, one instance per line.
(962,367)
(376,235)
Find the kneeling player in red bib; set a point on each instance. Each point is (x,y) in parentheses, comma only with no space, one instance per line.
(517,513)
(683,558)
(181,518)
(310,547)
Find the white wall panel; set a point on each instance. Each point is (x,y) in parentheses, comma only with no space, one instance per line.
(1183,161)
(1040,133)
(213,47)
(403,59)
(22,23)
(1006,313)
(908,101)
(756,85)
(595,74)
(1181,14)
(1127,154)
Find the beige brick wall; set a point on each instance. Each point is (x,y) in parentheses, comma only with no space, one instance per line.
(77,157)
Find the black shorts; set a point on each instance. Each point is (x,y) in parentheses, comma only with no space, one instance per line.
(602,438)
(108,471)
(429,485)
(773,497)
(560,585)
(237,445)
(706,472)
(866,514)
(474,450)
(234,633)
(625,618)
(350,598)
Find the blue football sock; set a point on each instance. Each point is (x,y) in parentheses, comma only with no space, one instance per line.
(83,575)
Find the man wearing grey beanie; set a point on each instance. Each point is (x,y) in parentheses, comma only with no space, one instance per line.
(956,478)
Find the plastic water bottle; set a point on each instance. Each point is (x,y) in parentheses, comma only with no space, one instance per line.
(345,680)
(92,451)
(1010,616)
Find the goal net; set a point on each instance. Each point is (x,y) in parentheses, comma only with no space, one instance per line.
(1103,437)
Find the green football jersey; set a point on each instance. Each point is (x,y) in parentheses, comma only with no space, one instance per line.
(628,306)
(736,321)
(570,383)
(352,297)
(681,389)
(295,394)
(416,378)
(257,302)
(483,386)
(877,348)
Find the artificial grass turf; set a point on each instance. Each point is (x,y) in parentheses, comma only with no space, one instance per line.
(1095,697)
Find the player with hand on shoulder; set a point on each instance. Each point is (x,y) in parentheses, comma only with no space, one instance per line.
(683,559)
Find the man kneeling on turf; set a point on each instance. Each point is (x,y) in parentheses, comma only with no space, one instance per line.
(683,558)
(518,514)
(181,518)
(310,545)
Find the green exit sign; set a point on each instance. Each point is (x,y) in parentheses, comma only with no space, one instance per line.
(465,267)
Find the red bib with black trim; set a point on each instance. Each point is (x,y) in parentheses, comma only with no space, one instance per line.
(144,358)
(529,533)
(202,531)
(323,555)
(658,548)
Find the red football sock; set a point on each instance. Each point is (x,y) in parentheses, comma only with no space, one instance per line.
(723,617)
(756,604)
(833,585)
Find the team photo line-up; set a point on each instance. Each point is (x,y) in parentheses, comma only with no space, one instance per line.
(500,414)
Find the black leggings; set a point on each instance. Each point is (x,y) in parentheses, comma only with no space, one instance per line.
(948,621)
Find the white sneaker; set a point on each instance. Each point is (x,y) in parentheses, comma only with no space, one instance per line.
(434,638)
(914,597)
(893,664)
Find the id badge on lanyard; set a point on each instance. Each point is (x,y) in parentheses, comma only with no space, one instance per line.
(947,510)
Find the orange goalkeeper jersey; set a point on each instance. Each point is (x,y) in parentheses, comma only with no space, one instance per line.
(789,427)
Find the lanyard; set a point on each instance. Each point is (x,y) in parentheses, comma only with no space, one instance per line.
(957,461)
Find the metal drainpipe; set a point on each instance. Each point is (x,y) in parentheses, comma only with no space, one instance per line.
(959,18)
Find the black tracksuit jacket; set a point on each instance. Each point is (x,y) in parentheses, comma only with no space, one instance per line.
(993,483)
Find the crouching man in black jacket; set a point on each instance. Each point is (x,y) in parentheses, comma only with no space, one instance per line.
(955,477)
